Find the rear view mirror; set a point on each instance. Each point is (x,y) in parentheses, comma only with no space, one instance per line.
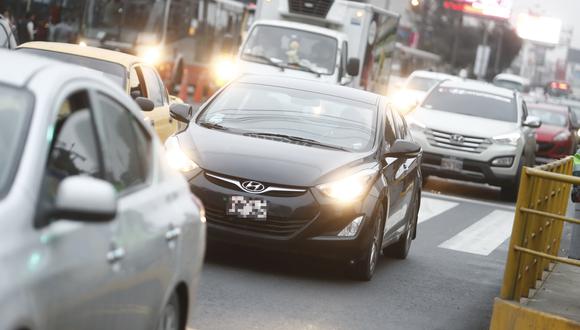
(352,67)
(403,149)
(84,198)
(182,112)
(533,122)
(145,104)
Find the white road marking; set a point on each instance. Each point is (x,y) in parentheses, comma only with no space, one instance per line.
(469,200)
(431,207)
(483,236)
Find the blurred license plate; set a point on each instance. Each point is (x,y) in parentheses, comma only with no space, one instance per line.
(452,164)
(247,208)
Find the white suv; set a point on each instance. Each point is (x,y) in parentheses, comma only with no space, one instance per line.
(475,131)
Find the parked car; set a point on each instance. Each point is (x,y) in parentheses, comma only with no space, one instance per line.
(97,231)
(512,81)
(416,87)
(286,164)
(557,137)
(477,132)
(7,37)
(131,73)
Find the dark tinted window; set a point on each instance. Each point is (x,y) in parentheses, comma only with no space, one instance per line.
(472,103)
(126,147)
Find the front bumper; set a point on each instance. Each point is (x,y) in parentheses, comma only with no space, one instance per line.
(301,223)
(549,150)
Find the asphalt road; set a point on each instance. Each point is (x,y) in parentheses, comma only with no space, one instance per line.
(449,280)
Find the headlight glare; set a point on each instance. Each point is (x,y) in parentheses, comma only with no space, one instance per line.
(349,188)
(151,55)
(176,158)
(511,139)
(224,70)
(563,136)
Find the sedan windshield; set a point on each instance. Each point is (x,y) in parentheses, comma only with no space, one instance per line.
(15,110)
(293,49)
(421,83)
(113,71)
(293,116)
(548,117)
(472,103)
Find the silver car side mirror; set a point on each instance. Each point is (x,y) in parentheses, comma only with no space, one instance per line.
(86,199)
(532,121)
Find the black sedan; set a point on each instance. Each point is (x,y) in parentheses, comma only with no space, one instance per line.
(299,166)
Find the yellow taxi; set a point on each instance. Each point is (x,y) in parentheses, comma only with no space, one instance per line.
(131,73)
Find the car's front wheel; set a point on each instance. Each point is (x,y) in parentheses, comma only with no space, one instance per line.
(364,268)
(171,315)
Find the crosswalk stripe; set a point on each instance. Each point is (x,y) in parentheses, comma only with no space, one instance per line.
(484,236)
(431,207)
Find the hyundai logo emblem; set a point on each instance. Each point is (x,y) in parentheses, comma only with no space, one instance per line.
(253,186)
(457,139)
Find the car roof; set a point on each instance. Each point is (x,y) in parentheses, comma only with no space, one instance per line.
(17,68)
(512,77)
(303,26)
(312,86)
(433,75)
(478,86)
(86,51)
(549,107)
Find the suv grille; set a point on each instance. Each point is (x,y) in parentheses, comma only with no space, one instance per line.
(458,142)
(317,8)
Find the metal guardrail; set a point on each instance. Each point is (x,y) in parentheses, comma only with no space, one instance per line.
(539,219)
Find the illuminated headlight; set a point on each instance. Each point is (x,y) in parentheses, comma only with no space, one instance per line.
(83,44)
(563,136)
(578,132)
(350,188)
(176,158)
(224,69)
(503,161)
(151,55)
(352,228)
(511,139)
(404,102)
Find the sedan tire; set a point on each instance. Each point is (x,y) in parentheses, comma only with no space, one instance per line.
(364,268)
(171,315)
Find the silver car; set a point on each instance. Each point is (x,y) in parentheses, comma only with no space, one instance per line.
(96,230)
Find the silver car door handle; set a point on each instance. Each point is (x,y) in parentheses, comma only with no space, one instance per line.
(172,234)
(115,255)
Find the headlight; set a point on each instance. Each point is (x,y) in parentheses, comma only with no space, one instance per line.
(349,188)
(563,136)
(224,70)
(511,139)
(176,158)
(404,102)
(503,161)
(83,44)
(151,55)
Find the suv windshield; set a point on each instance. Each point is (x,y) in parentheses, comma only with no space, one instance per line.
(293,49)
(472,103)
(130,21)
(113,71)
(15,110)
(293,115)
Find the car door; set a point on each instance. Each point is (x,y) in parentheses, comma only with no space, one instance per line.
(145,228)
(393,175)
(76,282)
(156,92)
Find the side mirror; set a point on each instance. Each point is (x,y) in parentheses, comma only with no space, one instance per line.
(403,149)
(182,112)
(145,104)
(352,67)
(532,122)
(84,198)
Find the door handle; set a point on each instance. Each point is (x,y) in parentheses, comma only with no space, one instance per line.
(172,234)
(115,255)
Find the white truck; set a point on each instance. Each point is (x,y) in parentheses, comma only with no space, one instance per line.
(340,42)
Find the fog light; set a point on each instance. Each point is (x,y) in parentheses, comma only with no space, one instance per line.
(352,228)
(503,161)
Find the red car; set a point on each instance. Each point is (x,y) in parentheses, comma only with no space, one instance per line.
(556,138)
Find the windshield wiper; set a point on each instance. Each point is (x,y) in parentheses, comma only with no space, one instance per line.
(213,126)
(269,60)
(305,68)
(298,139)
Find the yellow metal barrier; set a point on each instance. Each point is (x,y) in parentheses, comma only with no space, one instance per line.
(540,215)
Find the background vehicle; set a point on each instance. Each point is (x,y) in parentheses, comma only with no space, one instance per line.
(556,137)
(558,89)
(477,132)
(138,79)
(174,35)
(575,112)
(512,81)
(308,173)
(7,38)
(84,230)
(416,87)
(356,38)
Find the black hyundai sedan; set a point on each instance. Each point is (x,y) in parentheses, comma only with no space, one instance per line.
(299,166)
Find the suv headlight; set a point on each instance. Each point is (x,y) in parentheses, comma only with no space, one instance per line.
(563,136)
(176,158)
(511,139)
(349,188)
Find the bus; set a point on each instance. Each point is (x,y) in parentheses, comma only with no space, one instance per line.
(174,35)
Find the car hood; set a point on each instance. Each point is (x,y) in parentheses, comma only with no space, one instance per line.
(462,124)
(266,160)
(548,132)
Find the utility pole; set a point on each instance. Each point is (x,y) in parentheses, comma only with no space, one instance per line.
(499,49)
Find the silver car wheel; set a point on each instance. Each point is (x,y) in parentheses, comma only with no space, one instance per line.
(170,316)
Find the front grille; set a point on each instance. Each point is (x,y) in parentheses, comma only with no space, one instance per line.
(545,146)
(445,140)
(317,8)
(272,226)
